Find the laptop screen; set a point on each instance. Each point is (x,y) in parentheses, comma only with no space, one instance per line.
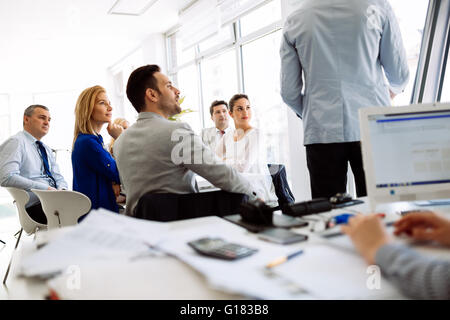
(410,148)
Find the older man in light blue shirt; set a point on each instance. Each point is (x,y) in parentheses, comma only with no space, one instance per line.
(344,50)
(27,163)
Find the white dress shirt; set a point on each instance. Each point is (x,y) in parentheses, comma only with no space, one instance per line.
(212,136)
(21,166)
(248,156)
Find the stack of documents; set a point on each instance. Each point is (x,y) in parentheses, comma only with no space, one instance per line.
(102,235)
(247,276)
(325,270)
(331,273)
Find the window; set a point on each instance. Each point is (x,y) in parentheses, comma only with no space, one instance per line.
(260,17)
(225,35)
(177,55)
(184,56)
(188,86)
(411,18)
(261,81)
(445,93)
(219,81)
(230,62)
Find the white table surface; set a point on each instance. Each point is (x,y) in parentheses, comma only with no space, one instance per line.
(167,277)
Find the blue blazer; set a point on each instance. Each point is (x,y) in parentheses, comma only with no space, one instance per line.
(94,171)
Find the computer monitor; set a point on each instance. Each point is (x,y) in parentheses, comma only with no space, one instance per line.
(406,152)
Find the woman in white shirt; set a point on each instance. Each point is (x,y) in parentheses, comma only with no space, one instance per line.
(244,149)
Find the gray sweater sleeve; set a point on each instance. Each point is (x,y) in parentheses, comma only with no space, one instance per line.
(417,276)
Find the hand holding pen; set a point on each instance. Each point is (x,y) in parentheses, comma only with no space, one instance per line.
(344,218)
(367,233)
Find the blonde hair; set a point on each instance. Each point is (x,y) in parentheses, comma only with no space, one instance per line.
(120,122)
(83,111)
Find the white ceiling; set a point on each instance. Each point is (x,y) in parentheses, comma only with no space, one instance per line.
(62,40)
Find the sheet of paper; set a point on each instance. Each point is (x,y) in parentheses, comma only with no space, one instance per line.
(331,273)
(246,276)
(102,235)
(156,278)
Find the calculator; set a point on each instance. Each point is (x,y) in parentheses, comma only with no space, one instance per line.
(220,248)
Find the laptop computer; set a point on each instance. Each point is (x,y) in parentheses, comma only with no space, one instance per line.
(406,152)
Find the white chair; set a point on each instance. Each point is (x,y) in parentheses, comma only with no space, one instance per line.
(62,207)
(30,226)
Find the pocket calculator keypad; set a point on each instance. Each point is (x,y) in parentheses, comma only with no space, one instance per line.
(219,248)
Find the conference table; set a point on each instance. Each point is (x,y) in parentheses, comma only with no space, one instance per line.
(177,272)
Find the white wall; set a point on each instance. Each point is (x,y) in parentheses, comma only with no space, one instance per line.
(60,97)
(53,50)
(152,50)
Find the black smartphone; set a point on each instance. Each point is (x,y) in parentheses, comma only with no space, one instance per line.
(281,236)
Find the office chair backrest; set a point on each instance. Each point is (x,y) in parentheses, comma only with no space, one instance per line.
(21,198)
(63,207)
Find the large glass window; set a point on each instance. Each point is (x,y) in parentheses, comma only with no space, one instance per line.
(411,17)
(445,93)
(177,54)
(223,36)
(222,65)
(261,81)
(219,80)
(227,63)
(261,17)
(188,86)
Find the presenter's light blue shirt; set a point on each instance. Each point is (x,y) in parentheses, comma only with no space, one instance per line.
(340,48)
(21,165)
(94,171)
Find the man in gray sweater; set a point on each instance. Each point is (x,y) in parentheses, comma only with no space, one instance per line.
(417,276)
(162,156)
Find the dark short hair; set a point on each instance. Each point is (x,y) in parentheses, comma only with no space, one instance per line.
(29,111)
(139,81)
(235,98)
(216,103)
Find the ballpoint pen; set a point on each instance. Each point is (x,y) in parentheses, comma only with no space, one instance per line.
(281,260)
(343,219)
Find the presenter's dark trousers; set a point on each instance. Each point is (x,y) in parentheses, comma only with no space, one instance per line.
(37,214)
(327,165)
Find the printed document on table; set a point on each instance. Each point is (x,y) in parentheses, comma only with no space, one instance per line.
(102,235)
(247,276)
(332,273)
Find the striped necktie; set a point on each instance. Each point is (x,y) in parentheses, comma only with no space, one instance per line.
(45,161)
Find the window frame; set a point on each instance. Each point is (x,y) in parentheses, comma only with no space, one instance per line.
(423,87)
(235,43)
(432,59)
(445,58)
